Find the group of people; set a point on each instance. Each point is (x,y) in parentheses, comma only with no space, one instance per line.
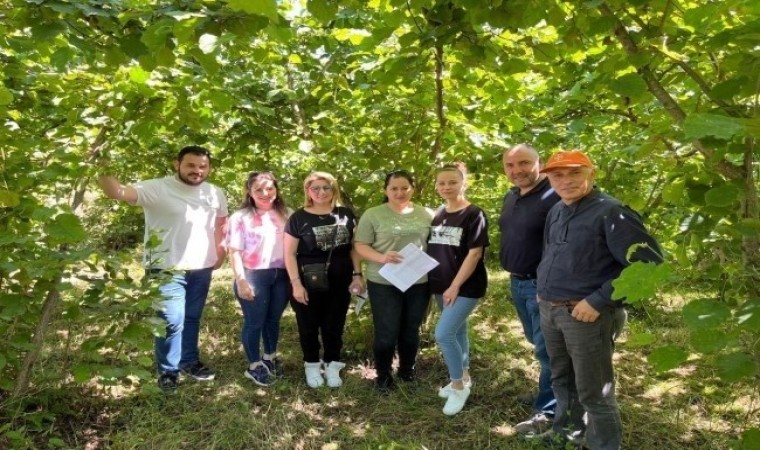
(562,241)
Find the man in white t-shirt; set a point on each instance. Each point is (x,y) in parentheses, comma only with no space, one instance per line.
(188,216)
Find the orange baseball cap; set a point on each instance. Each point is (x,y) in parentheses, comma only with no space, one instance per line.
(570,158)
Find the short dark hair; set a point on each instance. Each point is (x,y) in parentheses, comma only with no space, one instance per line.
(397,174)
(194,150)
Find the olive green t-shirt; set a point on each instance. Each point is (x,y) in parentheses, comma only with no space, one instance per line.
(384,229)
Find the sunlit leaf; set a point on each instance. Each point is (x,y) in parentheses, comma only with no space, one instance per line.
(748,315)
(6,97)
(65,229)
(640,281)
(323,10)
(266,8)
(751,439)
(667,358)
(704,341)
(705,313)
(725,195)
(8,198)
(638,340)
(697,126)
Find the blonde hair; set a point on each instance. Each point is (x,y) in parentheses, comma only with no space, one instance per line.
(324,176)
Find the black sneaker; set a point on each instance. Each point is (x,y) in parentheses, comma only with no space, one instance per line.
(407,375)
(384,383)
(198,371)
(274,366)
(260,375)
(168,382)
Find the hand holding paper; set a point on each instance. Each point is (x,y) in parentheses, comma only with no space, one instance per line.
(414,264)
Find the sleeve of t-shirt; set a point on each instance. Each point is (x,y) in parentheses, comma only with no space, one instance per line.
(365,229)
(222,211)
(235,238)
(477,230)
(291,226)
(148,192)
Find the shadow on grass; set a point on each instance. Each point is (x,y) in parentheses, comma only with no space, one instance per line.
(675,410)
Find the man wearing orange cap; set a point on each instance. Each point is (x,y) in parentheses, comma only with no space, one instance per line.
(586,241)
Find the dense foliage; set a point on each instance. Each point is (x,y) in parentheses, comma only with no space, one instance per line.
(663,93)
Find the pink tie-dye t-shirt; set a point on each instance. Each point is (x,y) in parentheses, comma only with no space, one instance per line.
(258,237)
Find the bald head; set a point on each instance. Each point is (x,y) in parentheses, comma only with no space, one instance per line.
(522,165)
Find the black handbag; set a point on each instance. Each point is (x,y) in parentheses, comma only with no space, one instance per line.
(314,276)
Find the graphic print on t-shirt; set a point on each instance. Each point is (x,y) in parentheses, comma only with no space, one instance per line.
(445,235)
(324,236)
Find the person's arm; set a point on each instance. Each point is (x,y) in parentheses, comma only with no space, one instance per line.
(463,274)
(220,230)
(117,191)
(291,265)
(357,285)
(366,252)
(244,288)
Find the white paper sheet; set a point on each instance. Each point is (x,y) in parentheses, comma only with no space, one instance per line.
(415,264)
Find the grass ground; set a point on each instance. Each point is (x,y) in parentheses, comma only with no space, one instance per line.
(676,410)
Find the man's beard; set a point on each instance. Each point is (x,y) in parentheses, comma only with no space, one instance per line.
(188,181)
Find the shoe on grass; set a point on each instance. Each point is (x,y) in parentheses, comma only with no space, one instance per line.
(332,373)
(455,401)
(259,374)
(535,425)
(274,366)
(168,382)
(313,373)
(198,371)
(384,383)
(446,390)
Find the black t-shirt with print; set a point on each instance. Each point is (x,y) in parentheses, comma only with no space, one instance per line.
(315,234)
(452,235)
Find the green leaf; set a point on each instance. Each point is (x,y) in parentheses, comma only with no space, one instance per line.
(8,199)
(82,373)
(751,439)
(666,358)
(267,8)
(705,313)
(735,366)
(704,341)
(65,229)
(3,362)
(673,192)
(640,281)
(629,85)
(638,340)
(726,195)
(748,315)
(323,10)
(6,97)
(698,126)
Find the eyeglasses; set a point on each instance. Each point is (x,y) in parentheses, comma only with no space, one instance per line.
(316,189)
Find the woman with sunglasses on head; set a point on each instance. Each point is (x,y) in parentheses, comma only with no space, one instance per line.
(397,316)
(319,232)
(458,237)
(255,244)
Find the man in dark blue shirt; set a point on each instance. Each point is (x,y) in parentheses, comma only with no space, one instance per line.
(587,239)
(522,220)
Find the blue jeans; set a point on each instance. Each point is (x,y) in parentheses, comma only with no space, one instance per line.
(451,334)
(261,316)
(397,317)
(582,373)
(184,297)
(524,298)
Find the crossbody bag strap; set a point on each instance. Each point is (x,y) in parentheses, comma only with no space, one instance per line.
(335,238)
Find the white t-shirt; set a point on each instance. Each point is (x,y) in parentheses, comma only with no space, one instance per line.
(183,218)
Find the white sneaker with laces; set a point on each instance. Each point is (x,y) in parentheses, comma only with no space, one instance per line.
(446,390)
(456,400)
(332,373)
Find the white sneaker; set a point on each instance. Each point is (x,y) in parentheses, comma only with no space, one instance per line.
(456,400)
(332,373)
(313,372)
(535,425)
(446,390)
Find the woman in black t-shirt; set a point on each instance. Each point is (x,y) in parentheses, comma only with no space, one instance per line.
(311,233)
(458,237)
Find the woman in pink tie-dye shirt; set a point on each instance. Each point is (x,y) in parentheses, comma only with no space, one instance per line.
(255,244)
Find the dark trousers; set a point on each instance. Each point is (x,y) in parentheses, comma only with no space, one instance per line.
(582,373)
(397,317)
(325,316)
